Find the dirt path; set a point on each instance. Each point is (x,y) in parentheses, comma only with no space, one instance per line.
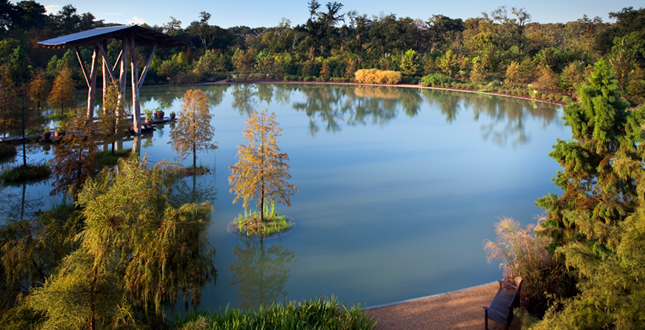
(454,310)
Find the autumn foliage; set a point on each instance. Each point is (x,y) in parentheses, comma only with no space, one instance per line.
(375,76)
(262,171)
(194,131)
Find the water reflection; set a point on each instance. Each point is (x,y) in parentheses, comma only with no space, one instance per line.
(260,272)
(19,205)
(194,190)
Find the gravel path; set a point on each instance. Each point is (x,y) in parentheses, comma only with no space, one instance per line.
(455,310)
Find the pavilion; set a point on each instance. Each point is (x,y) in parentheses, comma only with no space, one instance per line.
(131,36)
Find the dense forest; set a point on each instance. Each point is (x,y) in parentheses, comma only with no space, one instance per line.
(503,46)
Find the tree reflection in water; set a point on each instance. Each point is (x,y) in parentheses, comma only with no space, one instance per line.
(507,114)
(260,272)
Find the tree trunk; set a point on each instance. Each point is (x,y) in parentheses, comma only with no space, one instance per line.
(194,157)
(24,148)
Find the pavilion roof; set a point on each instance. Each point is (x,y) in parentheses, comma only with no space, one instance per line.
(142,37)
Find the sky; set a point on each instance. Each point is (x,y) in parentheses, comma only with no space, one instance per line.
(258,13)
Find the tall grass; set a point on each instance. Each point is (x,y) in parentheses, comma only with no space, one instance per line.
(375,76)
(249,224)
(313,314)
(523,253)
(7,150)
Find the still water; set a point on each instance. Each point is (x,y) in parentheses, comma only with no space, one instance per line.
(399,187)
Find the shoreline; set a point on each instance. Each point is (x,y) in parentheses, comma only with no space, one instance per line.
(458,310)
(273,81)
(437,295)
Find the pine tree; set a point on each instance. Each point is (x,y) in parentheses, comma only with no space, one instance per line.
(262,170)
(194,131)
(600,165)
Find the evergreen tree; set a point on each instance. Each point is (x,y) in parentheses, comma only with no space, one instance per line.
(600,165)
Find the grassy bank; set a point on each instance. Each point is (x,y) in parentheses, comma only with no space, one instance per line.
(313,314)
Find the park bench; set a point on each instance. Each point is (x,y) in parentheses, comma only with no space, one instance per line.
(501,309)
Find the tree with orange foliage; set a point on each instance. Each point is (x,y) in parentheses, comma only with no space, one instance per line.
(262,170)
(62,93)
(194,131)
(38,88)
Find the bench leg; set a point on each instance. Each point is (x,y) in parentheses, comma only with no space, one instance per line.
(485,320)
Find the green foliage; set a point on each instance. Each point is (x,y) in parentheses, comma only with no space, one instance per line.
(313,314)
(26,172)
(136,254)
(600,164)
(435,79)
(249,224)
(612,292)
(410,63)
(31,251)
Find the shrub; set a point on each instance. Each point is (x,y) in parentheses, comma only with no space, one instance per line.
(375,76)
(313,314)
(523,253)
(435,79)
(31,172)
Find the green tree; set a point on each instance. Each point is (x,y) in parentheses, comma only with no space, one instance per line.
(410,63)
(610,288)
(598,164)
(448,63)
(137,252)
(194,131)
(62,93)
(262,170)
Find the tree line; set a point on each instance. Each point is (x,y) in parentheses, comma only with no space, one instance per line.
(503,46)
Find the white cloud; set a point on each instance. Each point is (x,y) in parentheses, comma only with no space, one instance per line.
(51,9)
(135,20)
(112,14)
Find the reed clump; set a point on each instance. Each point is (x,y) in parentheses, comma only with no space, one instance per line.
(523,253)
(376,76)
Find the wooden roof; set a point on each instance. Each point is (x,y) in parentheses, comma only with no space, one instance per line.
(142,37)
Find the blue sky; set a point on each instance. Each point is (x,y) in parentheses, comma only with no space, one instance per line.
(256,13)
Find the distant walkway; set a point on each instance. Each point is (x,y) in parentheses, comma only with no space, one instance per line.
(454,310)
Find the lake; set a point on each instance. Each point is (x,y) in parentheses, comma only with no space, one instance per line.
(399,187)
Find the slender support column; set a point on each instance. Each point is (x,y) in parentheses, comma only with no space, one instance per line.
(123,71)
(91,92)
(78,56)
(104,71)
(134,75)
(145,69)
